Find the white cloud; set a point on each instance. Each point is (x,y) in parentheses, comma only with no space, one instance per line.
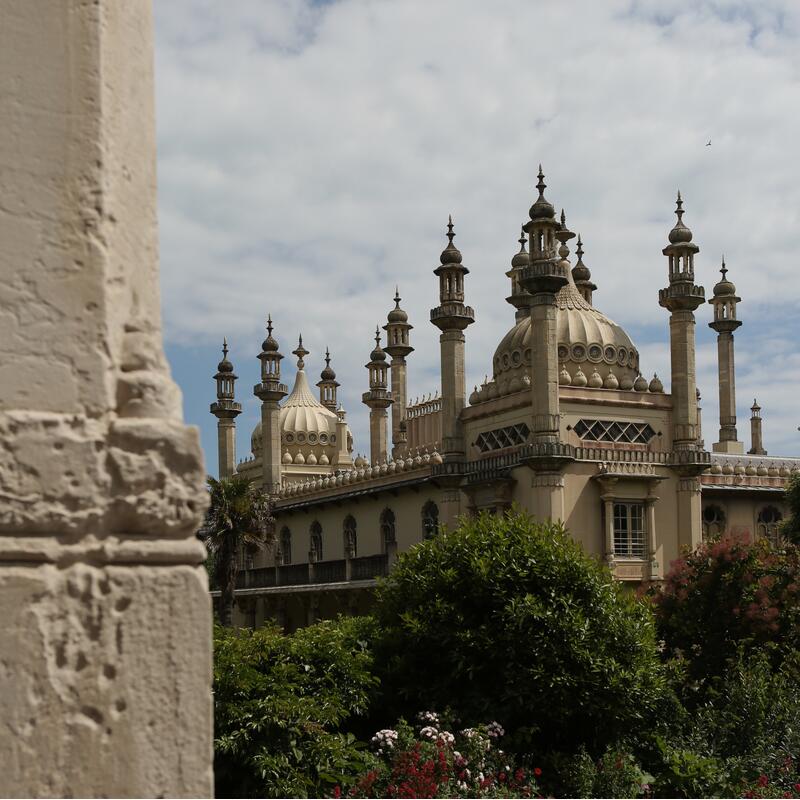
(310,154)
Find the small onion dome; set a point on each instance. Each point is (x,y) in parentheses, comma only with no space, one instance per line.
(580,272)
(359,462)
(312,459)
(377,354)
(724,288)
(541,209)
(564,378)
(579,378)
(521,259)
(451,254)
(611,381)
(595,381)
(655,384)
(640,384)
(286,457)
(397,314)
(327,373)
(680,233)
(225,366)
(269,345)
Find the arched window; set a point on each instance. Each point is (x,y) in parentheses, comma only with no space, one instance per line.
(285,547)
(350,537)
(388,533)
(713,522)
(315,549)
(430,520)
(768,525)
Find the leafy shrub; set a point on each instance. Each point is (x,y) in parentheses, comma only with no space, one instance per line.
(282,704)
(791,525)
(432,761)
(508,619)
(725,593)
(615,774)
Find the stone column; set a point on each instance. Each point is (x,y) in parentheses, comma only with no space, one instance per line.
(607,497)
(656,570)
(105,687)
(756,438)
(690,521)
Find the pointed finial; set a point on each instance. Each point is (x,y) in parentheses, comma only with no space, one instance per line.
(541,185)
(450,233)
(224,347)
(377,334)
(563,219)
(397,297)
(300,353)
(723,268)
(269,324)
(522,239)
(327,357)
(679,207)
(579,249)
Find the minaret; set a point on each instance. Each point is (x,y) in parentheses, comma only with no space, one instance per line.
(344,459)
(582,276)
(452,317)
(378,398)
(270,391)
(725,323)
(519,298)
(543,278)
(756,442)
(226,409)
(398,347)
(681,298)
(328,384)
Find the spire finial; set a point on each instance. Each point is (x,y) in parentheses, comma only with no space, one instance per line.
(224,347)
(300,353)
(378,335)
(327,357)
(269,324)
(522,239)
(397,297)
(723,268)
(541,185)
(679,207)
(579,250)
(450,233)
(563,219)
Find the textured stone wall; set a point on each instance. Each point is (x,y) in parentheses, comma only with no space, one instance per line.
(105,657)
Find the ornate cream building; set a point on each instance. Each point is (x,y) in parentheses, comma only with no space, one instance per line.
(567,428)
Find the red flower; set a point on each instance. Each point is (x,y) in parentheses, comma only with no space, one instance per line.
(763,780)
(537,772)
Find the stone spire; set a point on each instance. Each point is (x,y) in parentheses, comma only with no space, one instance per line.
(452,317)
(681,297)
(271,391)
(226,409)
(378,399)
(546,274)
(725,323)
(519,298)
(582,276)
(398,347)
(756,440)
(328,384)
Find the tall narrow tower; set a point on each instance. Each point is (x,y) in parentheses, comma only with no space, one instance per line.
(270,391)
(226,409)
(378,398)
(519,297)
(756,440)
(725,323)
(398,347)
(681,298)
(582,275)
(452,317)
(543,278)
(328,384)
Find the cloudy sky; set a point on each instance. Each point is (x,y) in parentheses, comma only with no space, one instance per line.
(310,152)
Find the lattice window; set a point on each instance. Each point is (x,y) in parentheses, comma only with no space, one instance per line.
(502,437)
(430,520)
(388,531)
(768,525)
(629,530)
(604,430)
(285,552)
(315,549)
(350,537)
(713,522)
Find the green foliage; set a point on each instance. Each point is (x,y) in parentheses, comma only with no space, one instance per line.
(615,774)
(725,593)
(239,516)
(791,526)
(282,705)
(508,619)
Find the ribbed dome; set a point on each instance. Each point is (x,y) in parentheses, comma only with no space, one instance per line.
(586,337)
(306,425)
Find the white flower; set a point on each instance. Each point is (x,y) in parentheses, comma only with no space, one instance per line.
(428,716)
(446,737)
(429,732)
(495,730)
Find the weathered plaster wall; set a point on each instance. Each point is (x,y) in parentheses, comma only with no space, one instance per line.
(105,658)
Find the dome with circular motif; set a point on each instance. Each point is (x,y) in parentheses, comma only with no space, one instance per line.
(307,427)
(587,339)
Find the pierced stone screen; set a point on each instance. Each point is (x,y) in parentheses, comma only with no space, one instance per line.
(603,430)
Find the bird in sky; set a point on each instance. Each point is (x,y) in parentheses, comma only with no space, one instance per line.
(708,143)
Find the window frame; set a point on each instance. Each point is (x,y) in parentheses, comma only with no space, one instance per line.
(632,547)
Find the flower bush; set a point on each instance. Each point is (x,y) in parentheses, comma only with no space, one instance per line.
(725,593)
(432,761)
(504,616)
